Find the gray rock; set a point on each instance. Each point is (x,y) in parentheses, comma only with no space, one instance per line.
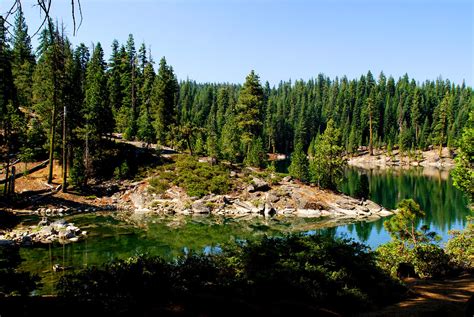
(286,179)
(308,213)
(272,198)
(269,211)
(260,184)
(199,207)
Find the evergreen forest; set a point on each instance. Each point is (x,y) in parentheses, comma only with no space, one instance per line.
(66,103)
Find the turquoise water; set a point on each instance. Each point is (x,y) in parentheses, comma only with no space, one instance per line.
(111,237)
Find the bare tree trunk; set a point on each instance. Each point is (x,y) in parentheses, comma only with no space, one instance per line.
(64,187)
(12,181)
(86,159)
(51,143)
(371,146)
(7,172)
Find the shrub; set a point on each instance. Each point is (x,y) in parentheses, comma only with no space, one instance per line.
(158,185)
(391,255)
(309,270)
(429,261)
(460,248)
(199,179)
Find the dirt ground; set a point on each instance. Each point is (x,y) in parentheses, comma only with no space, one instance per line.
(446,297)
(34,187)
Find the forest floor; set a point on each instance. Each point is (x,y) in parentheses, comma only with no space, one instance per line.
(447,297)
(382,159)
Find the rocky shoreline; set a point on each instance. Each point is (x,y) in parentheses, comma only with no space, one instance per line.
(383,159)
(45,232)
(287,198)
(282,198)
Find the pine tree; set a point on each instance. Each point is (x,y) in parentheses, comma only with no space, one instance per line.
(299,163)
(416,114)
(23,60)
(230,140)
(256,157)
(97,115)
(163,101)
(327,166)
(440,122)
(370,111)
(249,110)
(146,132)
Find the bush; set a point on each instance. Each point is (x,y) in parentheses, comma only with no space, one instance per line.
(429,261)
(158,185)
(391,255)
(460,248)
(199,179)
(122,171)
(311,271)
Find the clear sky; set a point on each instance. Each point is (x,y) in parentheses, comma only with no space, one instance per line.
(222,40)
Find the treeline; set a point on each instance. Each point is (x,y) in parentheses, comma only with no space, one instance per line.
(67,101)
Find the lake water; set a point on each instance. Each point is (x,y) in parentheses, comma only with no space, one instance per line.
(111,237)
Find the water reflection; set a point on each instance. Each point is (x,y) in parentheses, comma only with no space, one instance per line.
(445,206)
(112,238)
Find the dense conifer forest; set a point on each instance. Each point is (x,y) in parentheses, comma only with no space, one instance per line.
(65,102)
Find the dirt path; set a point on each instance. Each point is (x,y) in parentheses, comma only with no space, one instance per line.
(433,298)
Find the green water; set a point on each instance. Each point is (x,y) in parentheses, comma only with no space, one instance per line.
(110,237)
(444,205)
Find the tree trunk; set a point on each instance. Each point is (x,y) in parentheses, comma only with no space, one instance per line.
(12,181)
(7,171)
(371,147)
(51,143)
(64,187)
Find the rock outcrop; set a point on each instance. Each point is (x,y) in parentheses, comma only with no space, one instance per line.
(43,233)
(285,199)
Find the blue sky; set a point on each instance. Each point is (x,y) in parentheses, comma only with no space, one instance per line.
(221,41)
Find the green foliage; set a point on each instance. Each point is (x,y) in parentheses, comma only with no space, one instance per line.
(463,174)
(122,171)
(299,164)
(460,248)
(159,185)
(327,166)
(163,101)
(403,225)
(390,255)
(146,132)
(199,179)
(410,245)
(256,155)
(230,141)
(428,260)
(310,270)
(249,109)
(78,171)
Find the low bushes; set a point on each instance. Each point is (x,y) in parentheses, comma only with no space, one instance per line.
(426,260)
(460,248)
(296,270)
(198,179)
